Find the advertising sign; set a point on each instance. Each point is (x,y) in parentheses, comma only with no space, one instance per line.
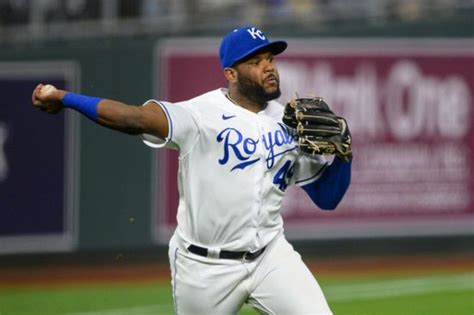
(409,105)
(37,161)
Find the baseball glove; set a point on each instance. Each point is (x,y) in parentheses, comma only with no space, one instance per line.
(319,130)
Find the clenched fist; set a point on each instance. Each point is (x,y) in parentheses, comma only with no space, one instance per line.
(48,98)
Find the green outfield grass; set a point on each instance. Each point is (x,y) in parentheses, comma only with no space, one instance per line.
(430,294)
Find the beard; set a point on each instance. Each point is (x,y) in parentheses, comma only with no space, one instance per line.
(256,92)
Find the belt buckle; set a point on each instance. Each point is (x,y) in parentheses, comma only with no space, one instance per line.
(246,256)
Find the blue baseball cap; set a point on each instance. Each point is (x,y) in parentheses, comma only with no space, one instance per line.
(243,42)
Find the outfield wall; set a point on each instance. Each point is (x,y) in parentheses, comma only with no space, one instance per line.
(83,187)
(112,195)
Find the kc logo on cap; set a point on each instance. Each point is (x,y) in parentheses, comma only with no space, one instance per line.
(243,42)
(254,32)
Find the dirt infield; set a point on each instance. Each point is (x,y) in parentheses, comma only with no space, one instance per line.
(117,270)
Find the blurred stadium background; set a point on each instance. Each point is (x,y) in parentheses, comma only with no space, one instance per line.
(85,213)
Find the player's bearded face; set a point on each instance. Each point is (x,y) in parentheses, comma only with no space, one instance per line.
(259,92)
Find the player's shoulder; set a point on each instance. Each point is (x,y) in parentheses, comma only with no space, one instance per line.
(205,98)
(203,102)
(196,106)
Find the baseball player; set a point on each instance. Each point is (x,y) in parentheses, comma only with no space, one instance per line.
(236,159)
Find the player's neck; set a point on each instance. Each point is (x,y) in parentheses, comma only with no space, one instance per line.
(242,101)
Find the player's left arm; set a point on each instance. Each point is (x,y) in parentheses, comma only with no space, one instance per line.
(321,132)
(327,191)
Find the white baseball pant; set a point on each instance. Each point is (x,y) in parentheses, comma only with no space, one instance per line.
(276,282)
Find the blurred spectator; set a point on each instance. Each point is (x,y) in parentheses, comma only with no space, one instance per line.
(13,12)
(305,12)
(150,8)
(155,8)
(278,9)
(197,16)
(403,10)
(53,10)
(129,8)
(82,9)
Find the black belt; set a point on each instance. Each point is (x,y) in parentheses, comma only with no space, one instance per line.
(225,254)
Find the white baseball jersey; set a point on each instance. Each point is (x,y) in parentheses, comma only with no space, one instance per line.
(234,167)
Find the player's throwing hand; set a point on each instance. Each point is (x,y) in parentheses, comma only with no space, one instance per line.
(48,98)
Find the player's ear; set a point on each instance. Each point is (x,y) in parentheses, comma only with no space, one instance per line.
(230,74)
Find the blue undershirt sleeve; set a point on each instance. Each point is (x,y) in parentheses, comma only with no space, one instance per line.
(328,190)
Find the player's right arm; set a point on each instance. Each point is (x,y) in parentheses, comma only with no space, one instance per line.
(112,114)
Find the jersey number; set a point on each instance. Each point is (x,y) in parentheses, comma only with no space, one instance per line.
(283,175)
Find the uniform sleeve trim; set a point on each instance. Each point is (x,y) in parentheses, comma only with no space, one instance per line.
(313,178)
(156,142)
(170,122)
